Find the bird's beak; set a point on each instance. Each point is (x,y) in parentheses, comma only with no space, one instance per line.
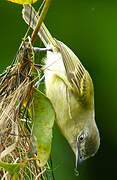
(79,158)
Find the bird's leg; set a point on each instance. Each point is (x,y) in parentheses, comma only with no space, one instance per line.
(36,85)
(37,49)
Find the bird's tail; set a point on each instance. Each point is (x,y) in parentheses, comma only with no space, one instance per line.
(30,16)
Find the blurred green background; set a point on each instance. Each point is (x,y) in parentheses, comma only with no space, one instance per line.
(89,27)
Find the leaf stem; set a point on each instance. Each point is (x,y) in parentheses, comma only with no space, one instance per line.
(40,20)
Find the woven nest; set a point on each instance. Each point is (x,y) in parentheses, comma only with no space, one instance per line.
(15,121)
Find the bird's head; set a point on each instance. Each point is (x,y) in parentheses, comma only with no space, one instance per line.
(87,144)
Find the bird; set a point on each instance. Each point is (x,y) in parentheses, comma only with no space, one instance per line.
(70,89)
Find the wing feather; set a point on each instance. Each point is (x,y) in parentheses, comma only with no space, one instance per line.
(77,75)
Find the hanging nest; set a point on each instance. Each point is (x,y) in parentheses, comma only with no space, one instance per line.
(16,85)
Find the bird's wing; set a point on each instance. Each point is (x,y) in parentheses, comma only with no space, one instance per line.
(78,77)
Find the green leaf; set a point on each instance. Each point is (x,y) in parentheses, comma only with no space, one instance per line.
(23,1)
(43,121)
(13,169)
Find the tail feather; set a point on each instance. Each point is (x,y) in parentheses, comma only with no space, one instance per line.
(30,16)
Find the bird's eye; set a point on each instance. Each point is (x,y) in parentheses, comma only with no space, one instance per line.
(81,137)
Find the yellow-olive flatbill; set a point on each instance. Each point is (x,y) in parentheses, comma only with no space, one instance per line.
(70,89)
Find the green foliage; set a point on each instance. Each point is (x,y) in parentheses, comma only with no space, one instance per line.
(43,120)
(13,169)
